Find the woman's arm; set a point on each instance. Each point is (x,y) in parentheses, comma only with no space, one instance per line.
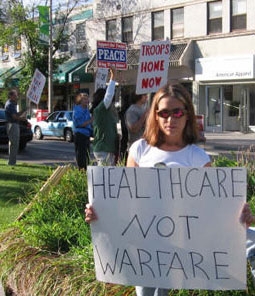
(110,89)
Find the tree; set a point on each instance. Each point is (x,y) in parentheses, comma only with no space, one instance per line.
(19,21)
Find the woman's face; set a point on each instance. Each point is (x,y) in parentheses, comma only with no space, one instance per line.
(171,116)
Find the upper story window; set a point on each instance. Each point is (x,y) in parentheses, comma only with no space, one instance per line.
(111,30)
(4,54)
(158,25)
(80,38)
(177,22)
(214,17)
(17,48)
(127,29)
(238,15)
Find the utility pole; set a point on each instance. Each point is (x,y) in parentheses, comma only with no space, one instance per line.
(50,84)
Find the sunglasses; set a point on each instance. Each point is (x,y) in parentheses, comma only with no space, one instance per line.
(175,113)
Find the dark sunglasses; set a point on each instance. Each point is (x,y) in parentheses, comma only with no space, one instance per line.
(175,113)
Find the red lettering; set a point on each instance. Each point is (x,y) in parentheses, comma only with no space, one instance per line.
(151,82)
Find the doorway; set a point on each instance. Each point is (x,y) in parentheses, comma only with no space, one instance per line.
(214,104)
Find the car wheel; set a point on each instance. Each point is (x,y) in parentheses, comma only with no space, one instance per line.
(69,135)
(38,133)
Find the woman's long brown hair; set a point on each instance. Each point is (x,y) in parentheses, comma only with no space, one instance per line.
(152,134)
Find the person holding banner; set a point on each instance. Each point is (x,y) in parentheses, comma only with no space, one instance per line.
(83,130)
(105,123)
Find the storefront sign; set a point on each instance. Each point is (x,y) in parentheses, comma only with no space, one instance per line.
(173,228)
(153,66)
(111,54)
(225,68)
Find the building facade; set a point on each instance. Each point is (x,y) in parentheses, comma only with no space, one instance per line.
(212,51)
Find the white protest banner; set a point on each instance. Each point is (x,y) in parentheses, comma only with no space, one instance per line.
(169,227)
(153,66)
(36,87)
(111,53)
(101,77)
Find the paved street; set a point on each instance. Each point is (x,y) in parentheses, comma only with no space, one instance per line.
(53,151)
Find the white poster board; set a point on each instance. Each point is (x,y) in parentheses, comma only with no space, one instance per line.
(169,227)
(101,77)
(36,87)
(153,66)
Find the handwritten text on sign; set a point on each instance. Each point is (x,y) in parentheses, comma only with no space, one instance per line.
(169,227)
(36,87)
(111,54)
(153,66)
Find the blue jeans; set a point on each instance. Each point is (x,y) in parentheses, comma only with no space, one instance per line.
(145,291)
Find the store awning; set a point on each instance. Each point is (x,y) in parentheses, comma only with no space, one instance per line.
(65,72)
(9,73)
(79,75)
(180,55)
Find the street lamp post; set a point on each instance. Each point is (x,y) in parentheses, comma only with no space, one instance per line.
(50,85)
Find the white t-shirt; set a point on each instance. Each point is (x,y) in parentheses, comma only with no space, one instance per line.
(149,156)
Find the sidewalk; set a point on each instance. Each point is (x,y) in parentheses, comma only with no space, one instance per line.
(228,143)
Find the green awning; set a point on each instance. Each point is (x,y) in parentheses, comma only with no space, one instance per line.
(79,75)
(9,73)
(69,67)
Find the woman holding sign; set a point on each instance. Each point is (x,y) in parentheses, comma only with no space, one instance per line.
(168,141)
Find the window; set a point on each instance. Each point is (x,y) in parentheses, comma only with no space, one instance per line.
(17,48)
(177,22)
(158,25)
(214,17)
(127,29)
(80,38)
(111,30)
(238,15)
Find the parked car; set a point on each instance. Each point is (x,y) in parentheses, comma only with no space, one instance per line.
(57,124)
(26,134)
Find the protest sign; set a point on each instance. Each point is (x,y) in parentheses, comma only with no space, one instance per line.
(101,77)
(153,66)
(169,227)
(36,87)
(112,54)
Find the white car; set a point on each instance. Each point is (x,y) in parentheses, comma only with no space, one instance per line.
(57,124)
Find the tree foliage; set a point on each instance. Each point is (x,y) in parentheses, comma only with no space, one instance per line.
(19,21)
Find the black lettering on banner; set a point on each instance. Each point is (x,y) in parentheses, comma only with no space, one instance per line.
(177,183)
(124,184)
(217,265)
(221,178)
(144,258)
(128,263)
(94,185)
(186,183)
(178,266)
(206,183)
(234,181)
(196,264)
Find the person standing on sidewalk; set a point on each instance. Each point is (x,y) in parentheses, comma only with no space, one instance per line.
(13,131)
(83,130)
(105,124)
(135,118)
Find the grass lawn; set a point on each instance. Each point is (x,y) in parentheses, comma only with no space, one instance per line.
(16,185)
